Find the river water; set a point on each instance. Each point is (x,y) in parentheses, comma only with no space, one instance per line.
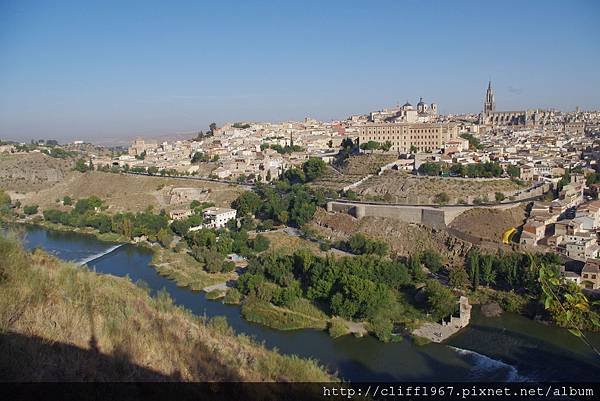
(508,348)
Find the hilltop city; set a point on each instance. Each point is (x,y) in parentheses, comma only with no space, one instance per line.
(393,223)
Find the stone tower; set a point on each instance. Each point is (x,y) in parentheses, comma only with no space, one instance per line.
(489,105)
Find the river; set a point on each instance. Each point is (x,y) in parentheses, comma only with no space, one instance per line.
(508,348)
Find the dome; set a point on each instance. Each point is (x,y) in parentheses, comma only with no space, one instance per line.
(421,103)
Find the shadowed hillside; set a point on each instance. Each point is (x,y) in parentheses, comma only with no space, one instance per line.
(60,322)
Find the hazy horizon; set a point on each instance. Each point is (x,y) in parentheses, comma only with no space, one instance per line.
(112,71)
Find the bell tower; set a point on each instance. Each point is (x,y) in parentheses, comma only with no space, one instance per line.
(489,105)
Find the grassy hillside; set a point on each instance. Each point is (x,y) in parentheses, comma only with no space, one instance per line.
(61,322)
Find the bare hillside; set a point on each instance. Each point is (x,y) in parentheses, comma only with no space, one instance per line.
(127,192)
(25,172)
(489,224)
(403,238)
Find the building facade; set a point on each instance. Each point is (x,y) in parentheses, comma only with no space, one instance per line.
(425,137)
(523,118)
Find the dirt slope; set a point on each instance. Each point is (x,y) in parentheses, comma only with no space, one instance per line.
(489,224)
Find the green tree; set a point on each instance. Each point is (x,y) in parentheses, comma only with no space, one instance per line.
(440,300)
(432,260)
(458,277)
(474,143)
(441,199)
(30,209)
(313,168)
(431,169)
(513,171)
(81,166)
(473,267)
(260,243)
(247,203)
(371,145)
(5,202)
(488,275)
(568,305)
(165,237)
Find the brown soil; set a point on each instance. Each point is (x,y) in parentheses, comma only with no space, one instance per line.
(353,169)
(32,171)
(125,192)
(403,238)
(489,224)
(401,187)
(366,163)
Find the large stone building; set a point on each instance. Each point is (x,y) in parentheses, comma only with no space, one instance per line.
(425,137)
(494,118)
(406,113)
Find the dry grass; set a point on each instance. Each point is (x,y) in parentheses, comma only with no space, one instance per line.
(403,238)
(185,270)
(23,172)
(401,187)
(287,244)
(301,315)
(61,322)
(489,224)
(126,192)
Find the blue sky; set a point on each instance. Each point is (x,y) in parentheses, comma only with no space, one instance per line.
(117,69)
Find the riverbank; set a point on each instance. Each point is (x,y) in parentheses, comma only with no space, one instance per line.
(62,322)
(517,340)
(39,222)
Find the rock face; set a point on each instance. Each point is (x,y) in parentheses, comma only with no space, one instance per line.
(404,239)
(493,309)
(31,171)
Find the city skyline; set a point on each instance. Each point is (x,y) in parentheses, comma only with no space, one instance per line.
(112,71)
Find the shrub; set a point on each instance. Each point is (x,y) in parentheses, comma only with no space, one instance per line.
(499,196)
(214,294)
(382,328)
(441,199)
(432,260)
(233,296)
(220,325)
(337,328)
(30,209)
(260,243)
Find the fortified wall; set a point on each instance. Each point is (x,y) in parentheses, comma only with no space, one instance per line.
(437,218)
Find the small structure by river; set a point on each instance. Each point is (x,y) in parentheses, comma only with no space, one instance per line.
(438,332)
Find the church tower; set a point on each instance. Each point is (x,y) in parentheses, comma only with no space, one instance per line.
(489,106)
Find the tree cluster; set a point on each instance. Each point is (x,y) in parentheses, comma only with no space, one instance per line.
(130,225)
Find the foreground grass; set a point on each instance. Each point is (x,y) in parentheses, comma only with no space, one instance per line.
(61,322)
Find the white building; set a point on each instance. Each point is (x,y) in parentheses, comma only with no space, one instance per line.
(217,217)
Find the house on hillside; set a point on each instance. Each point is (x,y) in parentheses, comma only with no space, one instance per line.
(590,274)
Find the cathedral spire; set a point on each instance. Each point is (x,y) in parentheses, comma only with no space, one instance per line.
(489,104)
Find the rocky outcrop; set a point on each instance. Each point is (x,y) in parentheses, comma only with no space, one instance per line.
(493,309)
